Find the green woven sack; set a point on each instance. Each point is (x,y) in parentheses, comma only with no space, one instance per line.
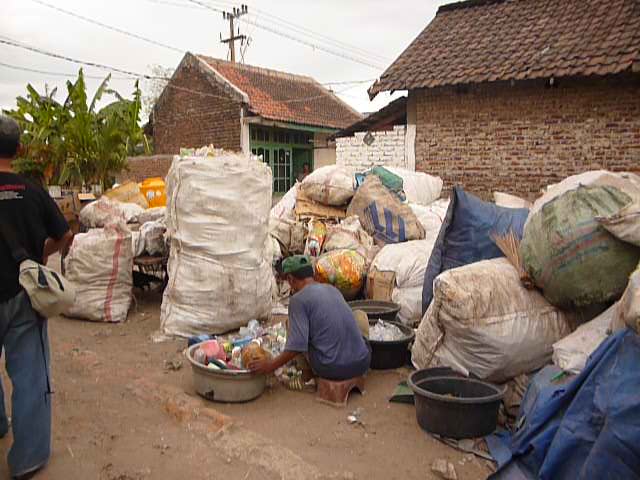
(573,259)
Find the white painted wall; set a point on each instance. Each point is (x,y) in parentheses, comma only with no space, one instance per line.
(324,152)
(388,149)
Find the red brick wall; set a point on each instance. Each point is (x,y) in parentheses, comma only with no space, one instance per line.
(186,119)
(146,167)
(517,139)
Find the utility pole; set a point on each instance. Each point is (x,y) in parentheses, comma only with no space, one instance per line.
(231,16)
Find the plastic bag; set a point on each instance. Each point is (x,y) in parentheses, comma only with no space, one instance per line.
(315,238)
(510,201)
(625,224)
(431,216)
(344,269)
(330,185)
(152,236)
(628,312)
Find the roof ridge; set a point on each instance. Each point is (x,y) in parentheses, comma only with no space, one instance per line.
(466,4)
(263,70)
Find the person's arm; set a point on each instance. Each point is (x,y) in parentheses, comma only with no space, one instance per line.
(297,339)
(57,228)
(52,246)
(270,365)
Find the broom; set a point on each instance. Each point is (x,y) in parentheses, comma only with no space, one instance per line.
(509,245)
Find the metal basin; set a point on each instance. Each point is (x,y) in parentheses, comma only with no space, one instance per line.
(228,386)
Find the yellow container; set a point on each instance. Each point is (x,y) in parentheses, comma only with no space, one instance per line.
(154,190)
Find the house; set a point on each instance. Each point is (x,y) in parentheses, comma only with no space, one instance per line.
(287,119)
(513,95)
(379,139)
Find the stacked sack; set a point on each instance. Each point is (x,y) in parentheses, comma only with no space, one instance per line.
(220,274)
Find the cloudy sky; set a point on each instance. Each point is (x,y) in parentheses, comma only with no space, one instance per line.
(374,32)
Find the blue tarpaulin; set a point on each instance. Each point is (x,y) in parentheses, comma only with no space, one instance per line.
(465,236)
(588,428)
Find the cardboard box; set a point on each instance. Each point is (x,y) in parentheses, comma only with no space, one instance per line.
(380,285)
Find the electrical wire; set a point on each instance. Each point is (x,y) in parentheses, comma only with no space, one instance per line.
(60,74)
(108,27)
(298,40)
(311,33)
(13,43)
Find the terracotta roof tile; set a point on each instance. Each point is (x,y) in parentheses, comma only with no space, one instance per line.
(286,97)
(491,40)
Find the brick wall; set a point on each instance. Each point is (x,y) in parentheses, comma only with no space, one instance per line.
(387,149)
(187,119)
(146,167)
(518,139)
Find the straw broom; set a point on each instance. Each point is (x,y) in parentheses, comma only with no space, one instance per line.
(509,245)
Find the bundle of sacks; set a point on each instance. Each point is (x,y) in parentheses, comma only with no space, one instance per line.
(383,209)
(576,258)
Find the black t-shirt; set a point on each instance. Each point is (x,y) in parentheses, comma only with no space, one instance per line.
(33,217)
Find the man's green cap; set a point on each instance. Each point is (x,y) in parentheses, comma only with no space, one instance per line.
(295,263)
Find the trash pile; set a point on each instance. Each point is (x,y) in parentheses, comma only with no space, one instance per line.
(99,263)
(360,227)
(509,292)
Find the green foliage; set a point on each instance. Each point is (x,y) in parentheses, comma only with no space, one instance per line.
(74,143)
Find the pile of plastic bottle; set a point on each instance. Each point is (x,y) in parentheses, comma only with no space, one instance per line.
(225,352)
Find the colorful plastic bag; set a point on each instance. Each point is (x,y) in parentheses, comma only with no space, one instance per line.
(344,269)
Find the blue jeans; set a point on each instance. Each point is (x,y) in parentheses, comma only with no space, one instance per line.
(23,334)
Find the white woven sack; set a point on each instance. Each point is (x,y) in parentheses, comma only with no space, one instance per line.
(100,264)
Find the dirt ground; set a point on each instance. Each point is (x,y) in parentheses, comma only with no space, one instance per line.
(122,413)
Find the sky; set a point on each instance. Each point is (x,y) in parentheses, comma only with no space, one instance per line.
(382,28)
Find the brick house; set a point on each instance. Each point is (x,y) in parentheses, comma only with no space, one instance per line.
(285,118)
(513,95)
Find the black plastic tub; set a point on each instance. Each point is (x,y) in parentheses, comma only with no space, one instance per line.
(455,407)
(377,309)
(395,354)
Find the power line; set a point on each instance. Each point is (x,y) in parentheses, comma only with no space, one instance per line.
(16,44)
(59,74)
(298,40)
(108,27)
(145,76)
(311,33)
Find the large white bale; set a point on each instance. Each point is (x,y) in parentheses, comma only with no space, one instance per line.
(419,187)
(220,261)
(483,321)
(218,207)
(100,264)
(204,296)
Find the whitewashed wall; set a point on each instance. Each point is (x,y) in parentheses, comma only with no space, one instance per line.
(388,149)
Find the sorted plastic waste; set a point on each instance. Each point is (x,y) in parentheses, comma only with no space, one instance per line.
(385,332)
(330,185)
(315,238)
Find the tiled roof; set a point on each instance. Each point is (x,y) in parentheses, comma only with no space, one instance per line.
(393,112)
(490,40)
(285,97)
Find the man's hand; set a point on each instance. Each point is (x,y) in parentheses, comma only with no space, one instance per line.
(261,366)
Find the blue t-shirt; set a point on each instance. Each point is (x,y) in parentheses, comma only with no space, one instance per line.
(322,324)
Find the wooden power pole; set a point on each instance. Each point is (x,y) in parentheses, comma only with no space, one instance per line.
(231,16)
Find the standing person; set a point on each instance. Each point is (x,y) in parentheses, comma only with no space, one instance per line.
(304,173)
(321,326)
(30,216)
